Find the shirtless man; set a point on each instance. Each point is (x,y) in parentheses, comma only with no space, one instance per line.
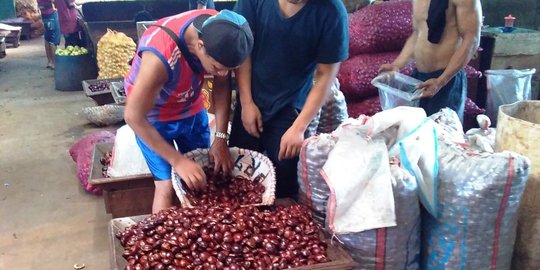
(441,51)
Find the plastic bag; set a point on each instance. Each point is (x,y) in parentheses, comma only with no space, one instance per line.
(82,152)
(505,87)
(127,156)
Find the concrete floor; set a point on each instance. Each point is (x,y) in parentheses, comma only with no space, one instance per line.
(47,221)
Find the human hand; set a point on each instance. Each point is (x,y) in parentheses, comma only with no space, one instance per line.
(220,156)
(252,119)
(291,143)
(388,68)
(192,174)
(430,87)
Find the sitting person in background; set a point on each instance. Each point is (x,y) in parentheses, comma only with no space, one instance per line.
(164,100)
(52,29)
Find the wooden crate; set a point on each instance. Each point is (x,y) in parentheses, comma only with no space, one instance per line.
(104,96)
(340,259)
(124,196)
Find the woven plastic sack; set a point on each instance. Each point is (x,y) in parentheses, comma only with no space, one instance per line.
(105,115)
(448,126)
(393,248)
(311,129)
(383,27)
(479,195)
(82,153)
(314,191)
(334,110)
(355,74)
(247,163)
(114,51)
(368,107)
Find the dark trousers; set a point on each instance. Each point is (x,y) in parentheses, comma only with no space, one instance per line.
(452,95)
(73,39)
(268,143)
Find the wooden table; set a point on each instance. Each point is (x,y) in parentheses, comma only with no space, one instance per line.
(123,196)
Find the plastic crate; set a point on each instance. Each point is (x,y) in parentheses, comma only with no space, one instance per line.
(396,89)
(118,92)
(102,95)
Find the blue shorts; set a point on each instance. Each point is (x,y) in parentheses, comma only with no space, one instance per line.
(189,134)
(52,28)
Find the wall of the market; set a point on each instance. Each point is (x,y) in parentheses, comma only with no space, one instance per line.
(527,12)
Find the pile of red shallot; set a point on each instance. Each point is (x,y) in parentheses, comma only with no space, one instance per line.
(227,189)
(227,237)
(106,161)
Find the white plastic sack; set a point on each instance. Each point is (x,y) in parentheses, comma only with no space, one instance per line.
(418,155)
(409,135)
(358,174)
(505,87)
(127,156)
(482,138)
(448,125)
(314,191)
(416,147)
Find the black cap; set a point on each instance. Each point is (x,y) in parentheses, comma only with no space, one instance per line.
(226,36)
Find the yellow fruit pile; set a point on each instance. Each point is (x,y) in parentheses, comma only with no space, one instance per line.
(114,51)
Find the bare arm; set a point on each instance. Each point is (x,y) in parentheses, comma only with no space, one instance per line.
(325,75)
(405,55)
(151,78)
(292,140)
(221,100)
(468,16)
(407,52)
(251,116)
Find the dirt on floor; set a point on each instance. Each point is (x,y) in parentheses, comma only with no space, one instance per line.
(47,221)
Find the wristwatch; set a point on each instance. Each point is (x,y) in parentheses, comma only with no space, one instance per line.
(222,135)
